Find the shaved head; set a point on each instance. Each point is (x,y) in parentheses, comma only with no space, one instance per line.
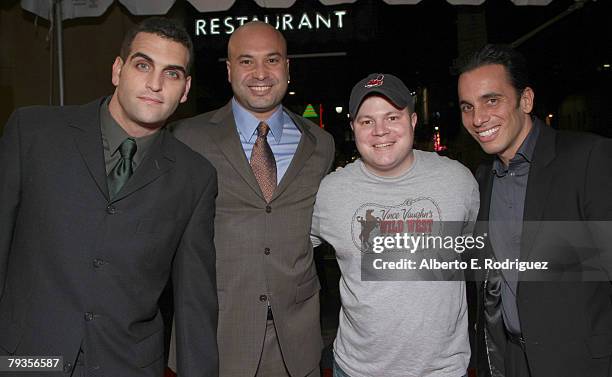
(259,28)
(258,68)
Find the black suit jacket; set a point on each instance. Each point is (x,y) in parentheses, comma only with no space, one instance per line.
(567,324)
(80,270)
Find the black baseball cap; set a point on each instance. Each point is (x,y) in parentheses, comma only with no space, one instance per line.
(381,83)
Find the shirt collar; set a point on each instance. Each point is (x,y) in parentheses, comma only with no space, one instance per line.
(115,134)
(247,123)
(524,153)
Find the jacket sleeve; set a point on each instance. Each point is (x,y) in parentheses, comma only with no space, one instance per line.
(195,291)
(597,201)
(10,190)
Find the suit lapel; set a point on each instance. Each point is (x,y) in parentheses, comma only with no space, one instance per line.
(305,148)
(88,138)
(485,184)
(158,160)
(538,187)
(225,133)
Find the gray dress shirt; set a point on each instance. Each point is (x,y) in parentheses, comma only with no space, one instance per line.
(506,220)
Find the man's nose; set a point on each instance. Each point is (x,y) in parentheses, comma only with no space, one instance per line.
(154,82)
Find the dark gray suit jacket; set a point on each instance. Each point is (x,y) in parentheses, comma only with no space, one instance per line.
(566,323)
(263,251)
(78,270)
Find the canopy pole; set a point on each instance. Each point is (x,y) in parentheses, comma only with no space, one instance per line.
(574,7)
(60,49)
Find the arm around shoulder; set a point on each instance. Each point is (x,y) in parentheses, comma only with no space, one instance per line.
(331,151)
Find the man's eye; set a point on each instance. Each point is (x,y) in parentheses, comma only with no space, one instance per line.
(492,101)
(367,122)
(273,60)
(245,62)
(142,66)
(173,74)
(393,118)
(466,108)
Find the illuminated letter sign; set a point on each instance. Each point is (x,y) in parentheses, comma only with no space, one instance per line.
(281,21)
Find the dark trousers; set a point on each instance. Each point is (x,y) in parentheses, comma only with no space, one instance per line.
(271,363)
(515,361)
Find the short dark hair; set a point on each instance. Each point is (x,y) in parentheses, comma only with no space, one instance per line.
(513,61)
(163,27)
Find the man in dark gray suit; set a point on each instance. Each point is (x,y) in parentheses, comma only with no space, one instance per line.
(99,205)
(270,162)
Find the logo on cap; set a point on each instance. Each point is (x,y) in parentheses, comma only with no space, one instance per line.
(378,81)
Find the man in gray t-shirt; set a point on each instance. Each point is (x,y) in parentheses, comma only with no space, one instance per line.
(394,328)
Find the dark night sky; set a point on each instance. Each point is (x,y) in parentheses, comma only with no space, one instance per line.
(418,43)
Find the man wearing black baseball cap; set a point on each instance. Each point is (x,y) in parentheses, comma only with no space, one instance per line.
(390,326)
(382,94)
(386,85)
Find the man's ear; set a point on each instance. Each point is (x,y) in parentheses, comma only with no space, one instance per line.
(116,71)
(352,128)
(526,101)
(187,87)
(413,119)
(228,65)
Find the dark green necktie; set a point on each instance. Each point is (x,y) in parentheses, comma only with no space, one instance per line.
(123,169)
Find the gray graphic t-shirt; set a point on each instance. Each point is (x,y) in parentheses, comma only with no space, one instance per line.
(396,328)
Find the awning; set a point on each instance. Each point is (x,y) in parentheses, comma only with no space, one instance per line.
(58,10)
(81,8)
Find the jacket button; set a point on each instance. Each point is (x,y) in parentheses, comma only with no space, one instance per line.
(267,251)
(111,210)
(89,316)
(268,209)
(67,367)
(263,298)
(97,263)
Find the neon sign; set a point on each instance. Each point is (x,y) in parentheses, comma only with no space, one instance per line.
(282,21)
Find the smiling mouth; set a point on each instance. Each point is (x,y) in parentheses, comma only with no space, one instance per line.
(489,132)
(383,145)
(260,89)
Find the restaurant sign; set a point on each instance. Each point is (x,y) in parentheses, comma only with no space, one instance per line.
(282,21)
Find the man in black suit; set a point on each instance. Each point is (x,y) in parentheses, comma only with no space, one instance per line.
(546,197)
(100,205)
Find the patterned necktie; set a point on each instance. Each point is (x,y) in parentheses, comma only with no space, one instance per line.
(263,162)
(122,171)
